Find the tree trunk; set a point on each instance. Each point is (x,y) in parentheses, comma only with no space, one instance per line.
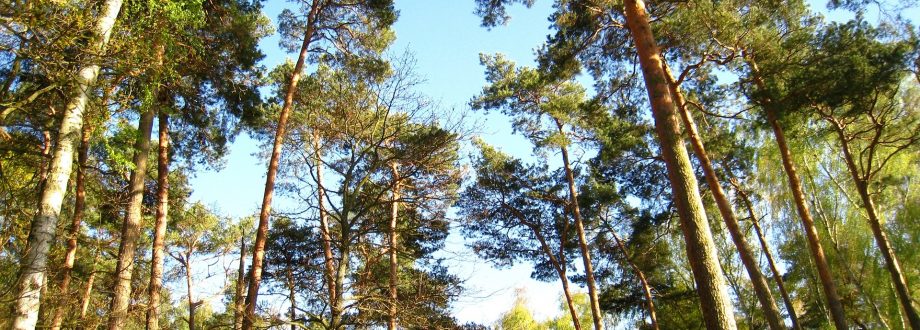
(44,225)
(766,250)
(596,314)
(238,308)
(701,250)
(811,233)
(45,159)
(394,267)
(192,304)
(328,260)
(338,309)
(159,232)
(262,231)
(748,259)
(646,288)
(798,196)
(291,296)
(88,291)
(79,207)
(881,238)
(131,227)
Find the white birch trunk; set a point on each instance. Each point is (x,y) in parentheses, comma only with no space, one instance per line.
(32,271)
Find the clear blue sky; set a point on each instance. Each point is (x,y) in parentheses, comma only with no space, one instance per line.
(446,39)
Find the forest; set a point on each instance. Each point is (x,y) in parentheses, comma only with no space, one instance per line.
(688,164)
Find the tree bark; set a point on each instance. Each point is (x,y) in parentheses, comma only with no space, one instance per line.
(34,263)
(798,196)
(777,277)
(596,314)
(701,250)
(748,259)
(262,231)
(74,234)
(131,227)
(881,238)
(159,232)
(394,267)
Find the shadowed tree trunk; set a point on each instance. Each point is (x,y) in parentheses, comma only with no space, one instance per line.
(33,264)
(748,259)
(801,206)
(701,250)
(159,232)
(777,277)
(238,303)
(262,230)
(131,227)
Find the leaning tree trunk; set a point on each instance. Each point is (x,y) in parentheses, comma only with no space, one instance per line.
(770,261)
(79,208)
(646,288)
(801,205)
(44,225)
(701,250)
(748,259)
(159,231)
(881,238)
(394,266)
(582,239)
(258,249)
(131,227)
(558,264)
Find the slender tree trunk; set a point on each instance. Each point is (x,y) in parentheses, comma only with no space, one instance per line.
(131,227)
(881,238)
(748,259)
(33,264)
(78,210)
(88,291)
(293,298)
(777,277)
(701,250)
(238,308)
(328,260)
(159,231)
(798,196)
(596,314)
(258,249)
(192,304)
(646,288)
(558,265)
(394,267)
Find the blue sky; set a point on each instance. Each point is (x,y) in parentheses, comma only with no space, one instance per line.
(446,39)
